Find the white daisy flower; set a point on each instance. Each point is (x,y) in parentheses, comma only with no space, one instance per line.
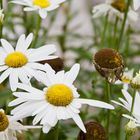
(58,101)
(42,6)
(126,78)
(127,104)
(114,7)
(136,4)
(8,127)
(20,63)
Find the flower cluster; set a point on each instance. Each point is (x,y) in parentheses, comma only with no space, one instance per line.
(58,100)
(46,94)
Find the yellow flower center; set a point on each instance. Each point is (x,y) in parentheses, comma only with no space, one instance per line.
(59,95)
(42,3)
(4,122)
(16,60)
(119,5)
(125,80)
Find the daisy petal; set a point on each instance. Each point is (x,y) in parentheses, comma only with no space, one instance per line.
(46,128)
(50,117)
(62,113)
(2,68)
(136,4)
(95,103)
(30,9)
(39,117)
(42,53)
(72,74)
(24,77)
(5,74)
(127,96)
(129,117)
(28,41)
(7,46)
(13,79)
(30,89)
(43,13)
(20,43)
(77,120)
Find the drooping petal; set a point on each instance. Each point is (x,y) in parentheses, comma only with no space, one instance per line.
(127,96)
(2,68)
(23,76)
(26,110)
(95,103)
(39,117)
(50,117)
(43,13)
(5,74)
(46,128)
(13,79)
(117,103)
(62,113)
(77,120)
(17,101)
(129,117)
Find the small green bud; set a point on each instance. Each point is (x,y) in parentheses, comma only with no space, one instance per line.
(1,16)
(131,128)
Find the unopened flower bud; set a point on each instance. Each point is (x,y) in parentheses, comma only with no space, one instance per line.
(131,128)
(135,82)
(1,16)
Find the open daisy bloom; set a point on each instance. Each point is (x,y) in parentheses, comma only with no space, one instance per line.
(8,127)
(127,103)
(43,6)
(114,7)
(58,101)
(136,4)
(126,78)
(20,62)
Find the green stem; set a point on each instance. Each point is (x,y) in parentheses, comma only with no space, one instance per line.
(115,31)
(126,137)
(104,31)
(56,136)
(123,24)
(1,25)
(133,101)
(131,112)
(127,46)
(108,88)
(1,4)
(25,21)
(118,127)
(37,32)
